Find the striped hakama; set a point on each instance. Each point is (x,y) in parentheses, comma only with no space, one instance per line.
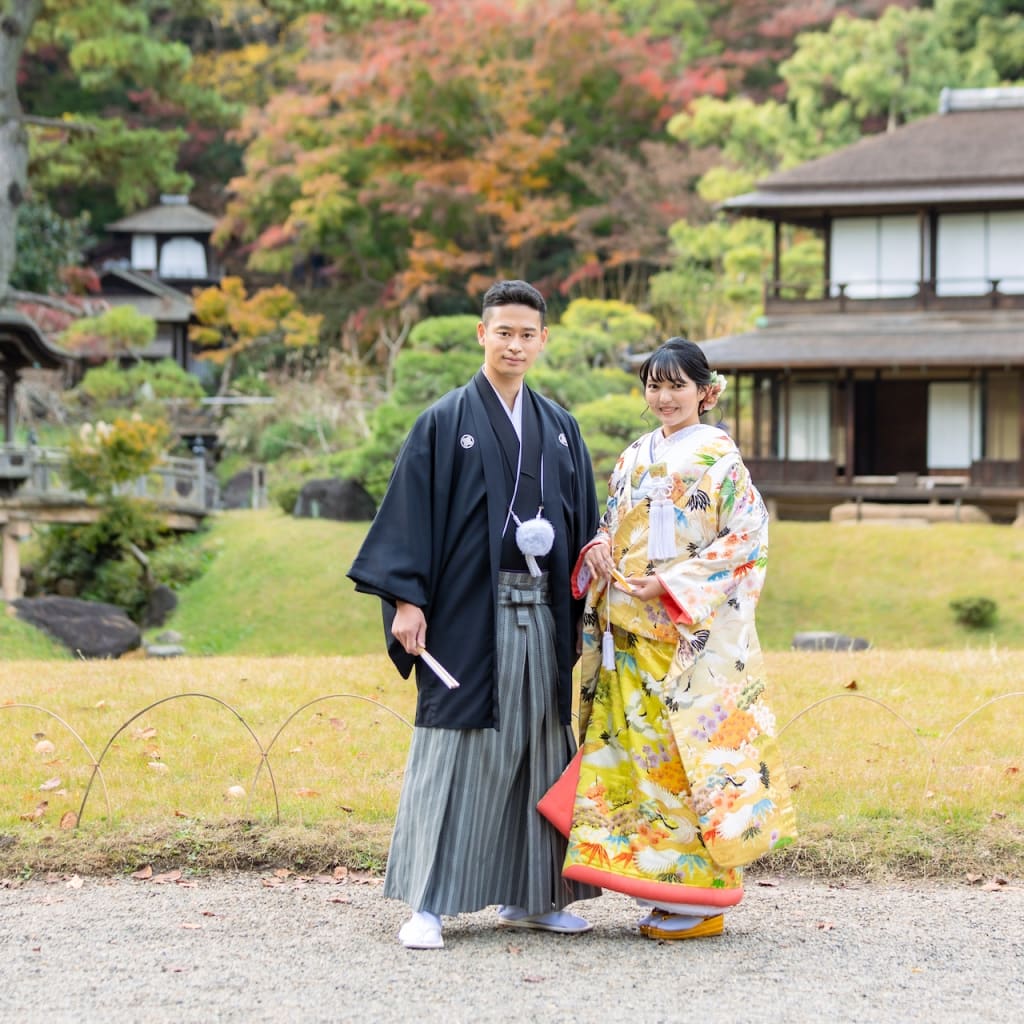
(468,834)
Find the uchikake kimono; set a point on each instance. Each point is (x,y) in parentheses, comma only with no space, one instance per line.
(437,542)
(681,782)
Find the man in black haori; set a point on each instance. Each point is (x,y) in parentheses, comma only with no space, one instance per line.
(490,501)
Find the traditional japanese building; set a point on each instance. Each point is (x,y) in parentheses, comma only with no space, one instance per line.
(899,378)
(153,261)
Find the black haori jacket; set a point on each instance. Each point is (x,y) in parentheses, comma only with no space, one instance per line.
(436,542)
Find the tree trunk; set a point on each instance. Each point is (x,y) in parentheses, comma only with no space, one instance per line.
(15,24)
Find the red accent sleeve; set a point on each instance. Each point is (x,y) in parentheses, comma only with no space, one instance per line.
(675,611)
(580,577)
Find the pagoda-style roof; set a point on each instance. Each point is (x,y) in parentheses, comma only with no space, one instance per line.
(22,345)
(123,286)
(169,218)
(874,341)
(972,153)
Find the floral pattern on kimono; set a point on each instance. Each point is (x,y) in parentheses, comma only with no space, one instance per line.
(681,780)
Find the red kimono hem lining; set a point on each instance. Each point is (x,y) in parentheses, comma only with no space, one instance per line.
(640,889)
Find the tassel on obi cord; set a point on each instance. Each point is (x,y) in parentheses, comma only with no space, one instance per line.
(661,537)
(608,641)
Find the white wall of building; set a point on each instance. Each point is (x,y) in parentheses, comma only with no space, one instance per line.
(876,257)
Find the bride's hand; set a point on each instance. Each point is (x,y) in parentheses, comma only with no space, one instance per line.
(643,588)
(598,559)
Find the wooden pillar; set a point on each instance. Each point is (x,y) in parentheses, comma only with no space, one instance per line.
(10,564)
(827,288)
(776,258)
(787,381)
(851,419)
(1020,427)
(755,414)
(10,381)
(922,256)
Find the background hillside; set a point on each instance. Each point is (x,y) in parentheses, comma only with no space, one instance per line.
(277,586)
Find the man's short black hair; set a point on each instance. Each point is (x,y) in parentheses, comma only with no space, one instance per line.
(515,293)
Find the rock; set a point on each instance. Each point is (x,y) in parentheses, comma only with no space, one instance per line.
(237,492)
(334,498)
(89,628)
(162,601)
(168,636)
(164,650)
(824,641)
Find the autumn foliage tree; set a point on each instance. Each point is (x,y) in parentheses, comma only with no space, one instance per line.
(420,159)
(233,322)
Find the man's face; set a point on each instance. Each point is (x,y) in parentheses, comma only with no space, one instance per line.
(512,337)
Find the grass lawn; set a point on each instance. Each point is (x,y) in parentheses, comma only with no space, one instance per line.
(899,767)
(277,586)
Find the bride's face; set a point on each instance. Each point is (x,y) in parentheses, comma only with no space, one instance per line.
(674,402)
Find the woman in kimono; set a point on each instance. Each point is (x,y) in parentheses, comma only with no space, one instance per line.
(681,783)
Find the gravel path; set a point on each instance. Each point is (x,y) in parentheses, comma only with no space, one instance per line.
(256,948)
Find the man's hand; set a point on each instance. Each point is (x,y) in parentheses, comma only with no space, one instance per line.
(410,627)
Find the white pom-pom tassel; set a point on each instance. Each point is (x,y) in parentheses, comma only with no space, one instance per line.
(661,537)
(533,538)
(608,650)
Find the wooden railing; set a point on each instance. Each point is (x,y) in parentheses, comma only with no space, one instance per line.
(174,483)
(836,297)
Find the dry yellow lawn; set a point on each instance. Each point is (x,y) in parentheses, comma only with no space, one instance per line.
(909,762)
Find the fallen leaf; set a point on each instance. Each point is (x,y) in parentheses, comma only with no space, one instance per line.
(768,882)
(1012,770)
(183,883)
(851,685)
(45,747)
(283,872)
(341,872)
(144,734)
(929,794)
(347,810)
(304,791)
(972,878)
(143,874)
(997,815)
(191,926)
(68,820)
(158,766)
(36,814)
(180,814)
(50,784)
(270,883)
(235,792)
(336,723)
(74,882)
(167,876)
(208,913)
(100,704)
(993,886)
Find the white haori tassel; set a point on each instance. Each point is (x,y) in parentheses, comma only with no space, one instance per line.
(661,536)
(534,538)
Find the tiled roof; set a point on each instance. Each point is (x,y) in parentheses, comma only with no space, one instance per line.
(166,219)
(862,341)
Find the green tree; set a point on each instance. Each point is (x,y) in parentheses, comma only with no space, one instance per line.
(122,330)
(46,244)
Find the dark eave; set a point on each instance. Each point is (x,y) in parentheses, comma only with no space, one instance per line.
(880,342)
(22,345)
